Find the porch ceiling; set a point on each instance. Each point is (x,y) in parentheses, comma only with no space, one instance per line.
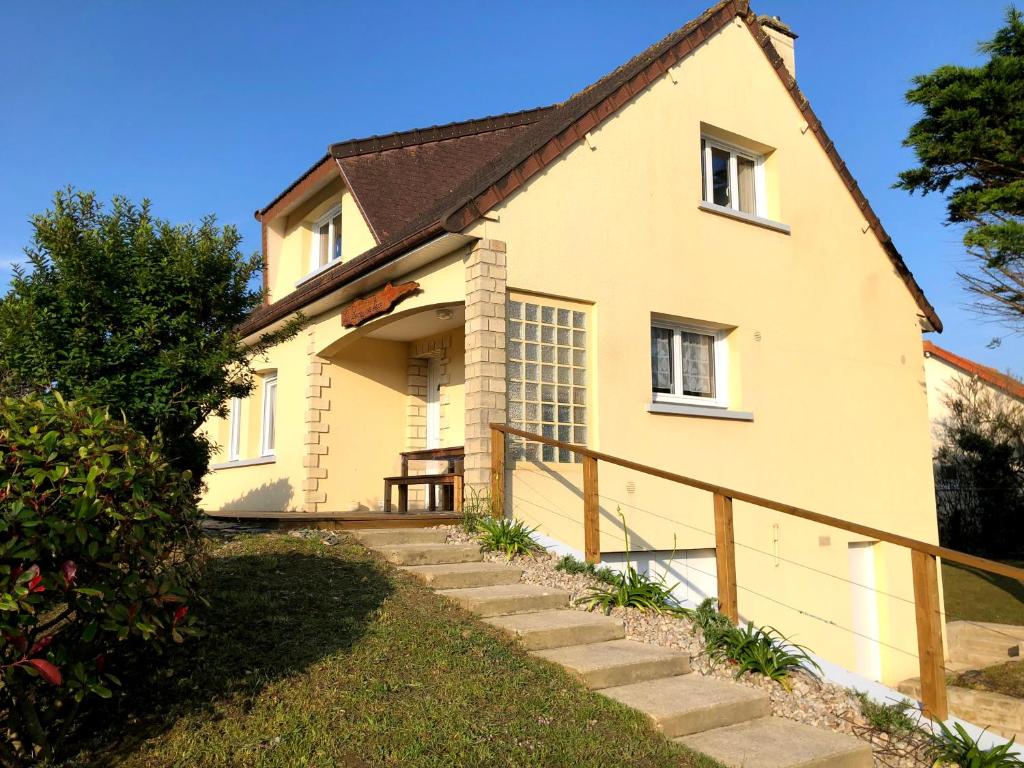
(429,322)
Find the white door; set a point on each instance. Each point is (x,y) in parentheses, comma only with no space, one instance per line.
(433,403)
(864,602)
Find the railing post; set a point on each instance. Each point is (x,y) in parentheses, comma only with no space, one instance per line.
(591,511)
(497,473)
(929,634)
(725,557)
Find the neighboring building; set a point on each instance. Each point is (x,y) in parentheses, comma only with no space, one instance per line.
(673,266)
(943,368)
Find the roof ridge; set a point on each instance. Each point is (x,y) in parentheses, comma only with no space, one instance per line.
(453,130)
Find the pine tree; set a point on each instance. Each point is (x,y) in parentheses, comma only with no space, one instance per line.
(970,146)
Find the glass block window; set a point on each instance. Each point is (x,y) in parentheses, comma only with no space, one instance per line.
(547,377)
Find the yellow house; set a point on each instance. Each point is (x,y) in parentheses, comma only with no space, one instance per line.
(674,266)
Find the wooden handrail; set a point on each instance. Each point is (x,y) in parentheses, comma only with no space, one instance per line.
(924,566)
(874,533)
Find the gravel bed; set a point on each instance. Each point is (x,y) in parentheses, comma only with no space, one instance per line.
(811,701)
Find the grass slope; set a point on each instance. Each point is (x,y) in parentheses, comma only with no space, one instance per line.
(322,656)
(982,596)
(1006,678)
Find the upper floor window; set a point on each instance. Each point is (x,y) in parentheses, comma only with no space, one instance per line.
(732,177)
(688,364)
(326,239)
(268,442)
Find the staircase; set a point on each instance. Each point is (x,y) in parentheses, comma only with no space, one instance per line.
(726,721)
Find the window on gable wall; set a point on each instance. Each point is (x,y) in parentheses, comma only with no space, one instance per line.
(732,177)
(689,364)
(326,246)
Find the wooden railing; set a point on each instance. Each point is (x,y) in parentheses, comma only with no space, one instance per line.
(923,556)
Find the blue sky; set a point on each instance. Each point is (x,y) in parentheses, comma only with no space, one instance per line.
(215,107)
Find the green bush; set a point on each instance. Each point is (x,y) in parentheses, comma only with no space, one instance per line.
(99,555)
(475,507)
(630,589)
(570,564)
(954,746)
(895,719)
(511,537)
(762,650)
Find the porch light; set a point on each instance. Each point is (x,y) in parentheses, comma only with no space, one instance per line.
(444,314)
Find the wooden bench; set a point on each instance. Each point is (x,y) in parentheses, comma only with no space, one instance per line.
(450,482)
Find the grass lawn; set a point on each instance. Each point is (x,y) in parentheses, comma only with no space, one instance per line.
(982,596)
(322,656)
(1007,678)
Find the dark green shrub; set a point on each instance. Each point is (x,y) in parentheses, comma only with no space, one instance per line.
(955,746)
(99,554)
(508,536)
(713,625)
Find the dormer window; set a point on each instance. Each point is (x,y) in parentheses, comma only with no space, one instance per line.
(732,178)
(326,246)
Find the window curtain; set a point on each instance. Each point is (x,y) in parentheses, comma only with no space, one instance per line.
(698,364)
(661,359)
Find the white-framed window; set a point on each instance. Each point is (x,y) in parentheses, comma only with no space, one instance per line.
(235,437)
(732,177)
(267,442)
(689,364)
(326,241)
(547,376)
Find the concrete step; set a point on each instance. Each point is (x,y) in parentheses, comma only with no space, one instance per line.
(430,554)
(679,706)
(464,575)
(507,598)
(773,742)
(380,537)
(617,662)
(556,629)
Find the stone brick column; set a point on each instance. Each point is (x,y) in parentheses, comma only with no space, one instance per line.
(318,404)
(485,357)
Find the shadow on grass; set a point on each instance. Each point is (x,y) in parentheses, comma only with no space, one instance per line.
(1012,587)
(271,615)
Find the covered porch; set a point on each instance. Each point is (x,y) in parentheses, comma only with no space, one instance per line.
(395,421)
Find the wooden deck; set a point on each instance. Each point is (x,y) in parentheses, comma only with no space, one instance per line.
(338,520)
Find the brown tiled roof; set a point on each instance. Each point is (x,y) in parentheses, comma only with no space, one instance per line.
(990,376)
(403,179)
(532,148)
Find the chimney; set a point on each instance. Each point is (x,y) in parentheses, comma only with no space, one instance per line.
(782,38)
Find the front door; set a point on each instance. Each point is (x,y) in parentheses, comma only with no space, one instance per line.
(433,403)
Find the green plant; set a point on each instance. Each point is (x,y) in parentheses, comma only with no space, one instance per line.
(893,718)
(511,537)
(475,507)
(968,144)
(714,626)
(766,651)
(630,589)
(570,564)
(955,746)
(99,558)
(129,312)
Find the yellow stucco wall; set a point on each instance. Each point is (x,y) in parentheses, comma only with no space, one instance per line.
(826,351)
(368,395)
(289,239)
